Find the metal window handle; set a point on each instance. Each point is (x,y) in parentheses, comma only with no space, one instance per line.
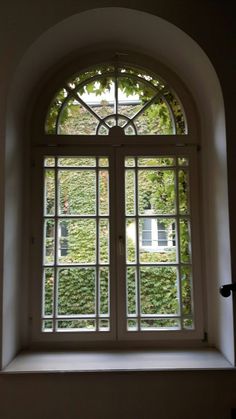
(121,245)
(225,290)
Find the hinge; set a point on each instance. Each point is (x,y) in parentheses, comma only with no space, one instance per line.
(205,337)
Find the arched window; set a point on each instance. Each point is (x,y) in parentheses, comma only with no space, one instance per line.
(108,95)
(116,211)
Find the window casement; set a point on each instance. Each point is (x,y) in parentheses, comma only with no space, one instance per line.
(115,226)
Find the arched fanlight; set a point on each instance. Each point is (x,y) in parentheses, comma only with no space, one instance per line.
(108,95)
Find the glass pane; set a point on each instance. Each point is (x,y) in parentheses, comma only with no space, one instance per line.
(156,161)
(186,287)
(49,192)
(185,241)
(76,291)
(181,127)
(77,161)
(160,324)
(131,241)
(48,289)
(130,207)
(104,291)
(76,325)
(129,161)
(76,120)
(77,192)
(131,291)
(103,192)
(158,290)
(49,242)
(47,326)
(156,192)
(132,92)
(50,125)
(77,241)
(100,96)
(183,192)
(104,325)
(130,130)
(49,162)
(157,240)
(155,120)
(103,130)
(104,241)
(132,325)
(183,161)
(103,162)
(188,324)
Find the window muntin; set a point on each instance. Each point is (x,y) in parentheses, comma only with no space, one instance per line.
(109,95)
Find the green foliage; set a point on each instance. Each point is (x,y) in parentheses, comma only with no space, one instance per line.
(74,119)
(77,286)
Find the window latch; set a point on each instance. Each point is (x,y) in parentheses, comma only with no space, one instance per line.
(225,290)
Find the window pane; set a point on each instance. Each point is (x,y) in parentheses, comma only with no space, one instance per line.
(131,291)
(77,192)
(131,242)
(77,161)
(78,244)
(156,192)
(155,161)
(48,290)
(50,125)
(183,192)
(49,188)
(49,242)
(104,325)
(159,290)
(76,325)
(160,324)
(103,162)
(130,192)
(157,242)
(47,326)
(103,192)
(186,287)
(155,120)
(104,304)
(104,241)
(76,291)
(185,244)
(132,325)
(76,120)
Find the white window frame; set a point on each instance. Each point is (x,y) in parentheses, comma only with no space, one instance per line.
(118,293)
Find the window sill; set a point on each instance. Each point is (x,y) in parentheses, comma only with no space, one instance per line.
(105,361)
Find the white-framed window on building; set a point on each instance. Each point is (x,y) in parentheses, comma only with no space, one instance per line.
(118,257)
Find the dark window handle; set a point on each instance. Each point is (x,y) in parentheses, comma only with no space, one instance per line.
(225,290)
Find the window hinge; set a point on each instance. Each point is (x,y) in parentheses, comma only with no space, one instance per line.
(205,337)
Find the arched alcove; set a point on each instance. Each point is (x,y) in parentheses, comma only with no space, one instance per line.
(167,44)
